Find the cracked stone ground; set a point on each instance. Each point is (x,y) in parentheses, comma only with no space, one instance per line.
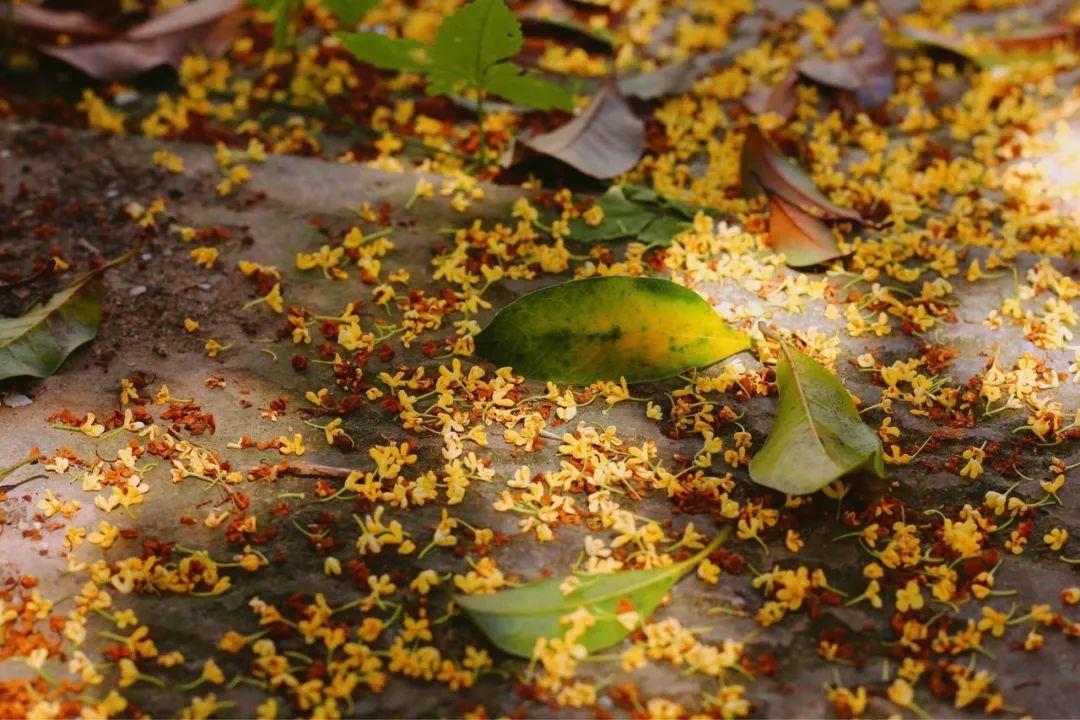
(290,206)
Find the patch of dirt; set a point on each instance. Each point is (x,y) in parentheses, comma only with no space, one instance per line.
(70,202)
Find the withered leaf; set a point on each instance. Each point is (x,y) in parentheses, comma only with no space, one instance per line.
(804,240)
(673,78)
(69,22)
(993,51)
(559,19)
(604,140)
(162,40)
(779,98)
(763,167)
(869,76)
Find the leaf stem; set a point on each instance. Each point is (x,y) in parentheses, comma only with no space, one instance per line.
(481,137)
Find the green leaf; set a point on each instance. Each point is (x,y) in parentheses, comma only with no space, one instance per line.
(507,81)
(475,38)
(282,11)
(663,230)
(817,435)
(804,240)
(640,194)
(387,53)
(350,12)
(637,212)
(643,194)
(622,219)
(514,619)
(471,49)
(604,328)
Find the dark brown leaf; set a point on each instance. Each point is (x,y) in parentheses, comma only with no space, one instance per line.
(870,75)
(991,51)
(71,22)
(779,98)
(558,19)
(207,24)
(803,239)
(30,279)
(677,77)
(763,167)
(604,140)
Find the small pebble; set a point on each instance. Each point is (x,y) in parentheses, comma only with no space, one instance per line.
(16,400)
(137,290)
(125,98)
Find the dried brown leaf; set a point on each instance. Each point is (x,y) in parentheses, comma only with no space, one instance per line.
(209,25)
(870,75)
(69,22)
(779,98)
(763,167)
(804,240)
(604,140)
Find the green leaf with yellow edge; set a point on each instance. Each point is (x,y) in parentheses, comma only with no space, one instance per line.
(620,602)
(38,342)
(604,328)
(817,436)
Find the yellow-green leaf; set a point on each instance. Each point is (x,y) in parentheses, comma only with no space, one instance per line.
(620,602)
(817,435)
(604,328)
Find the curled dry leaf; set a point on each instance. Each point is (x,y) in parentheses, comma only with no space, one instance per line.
(673,78)
(779,99)
(868,75)
(604,140)
(763,167)
(679,76)
(620,602)
(804,240)
(604,328)
(30,279)
(69,22)
(817,436)
(994,51)
(162,40)
(560,19)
